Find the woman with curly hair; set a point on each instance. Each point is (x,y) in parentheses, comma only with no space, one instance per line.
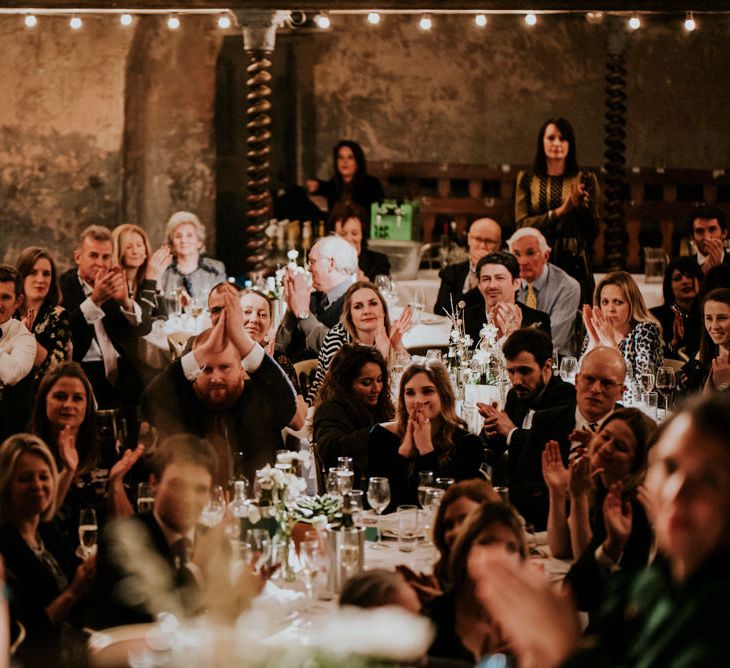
(426,435)
(353,398)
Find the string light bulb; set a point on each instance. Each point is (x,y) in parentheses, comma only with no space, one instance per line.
(634,22)
(173,22)
(224,22)
(322,21)
(373,18)
(689,23)
(480,20)
(425,22)
(75,23)
(30,21)
(530,19)
(126,19)
(594,18)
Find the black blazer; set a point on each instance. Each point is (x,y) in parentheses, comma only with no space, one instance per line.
(474,318)
(452,278)
(373,263)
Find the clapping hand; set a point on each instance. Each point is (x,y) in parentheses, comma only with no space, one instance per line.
(495,421)
(422,430)
(401,327)
(506,317)
(554,472)
(677,329)
(407,446)
(714,249)
(581,476)
(125,463)
(618,518)
(600,331)
(720,373)
(297,292)
(160,260)
(67,449)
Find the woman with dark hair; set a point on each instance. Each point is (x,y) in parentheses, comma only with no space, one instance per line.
(599,487)
(714,353)
(365,321)
(350,181)
(561,200)
(426,435)
(679,315)
(40,311)
(463,632)
(670,615)
(354,396)
(348,221)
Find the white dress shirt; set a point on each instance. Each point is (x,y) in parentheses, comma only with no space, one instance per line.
(17,351)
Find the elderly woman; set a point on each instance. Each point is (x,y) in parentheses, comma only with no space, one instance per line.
(47,581)
(190,269)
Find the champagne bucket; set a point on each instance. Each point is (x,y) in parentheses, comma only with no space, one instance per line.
(345,555)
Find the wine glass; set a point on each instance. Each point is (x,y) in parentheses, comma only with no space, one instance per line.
(646,382)
(310,563)
(215,509)
(88,529)
(666,381)
(419,303)
(568,369)
(378,498)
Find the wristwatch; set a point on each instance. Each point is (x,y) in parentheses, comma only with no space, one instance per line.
(303,315)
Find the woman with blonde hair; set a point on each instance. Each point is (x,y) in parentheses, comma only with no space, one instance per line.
(426,435)
(619,319)
(48,582)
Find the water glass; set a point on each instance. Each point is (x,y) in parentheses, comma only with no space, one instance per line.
(419,303)
(356,498)
(88,529)
(215,509)
(650,402)
(444,483)
(407,528)
(310,564)
(145,498)
(425,481)
(345,463)
(568,369)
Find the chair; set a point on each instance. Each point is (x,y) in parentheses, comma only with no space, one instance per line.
(305,371)
(177,342)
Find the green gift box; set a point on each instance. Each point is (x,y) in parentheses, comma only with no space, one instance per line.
(395,220)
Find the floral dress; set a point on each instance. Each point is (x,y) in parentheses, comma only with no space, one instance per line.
(52,330)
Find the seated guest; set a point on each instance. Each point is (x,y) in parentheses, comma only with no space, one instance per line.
(599,487)
(364,321)
(546,287)
(679,315)
(348,224)
(152,563)
(226,390)
(619,319)
(143,269)
(354,396)
(459,281)
(377,588)
(426,435)
(708,232)
(672,614)
(311,312)
(17,356)
(463,632)
(528,355)
(106,322)
(598,386)
(190,270)
(40,311)
(714,355)
(257,316)
(47,583)
(499,279)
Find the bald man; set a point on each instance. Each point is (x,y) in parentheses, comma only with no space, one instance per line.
(458,281)
(598,387)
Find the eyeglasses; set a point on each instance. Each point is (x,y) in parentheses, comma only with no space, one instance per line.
(606,385)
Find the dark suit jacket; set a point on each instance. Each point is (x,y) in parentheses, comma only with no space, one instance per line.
(123,335)
(373,263)
(452,278)
(254,422)
(474,318)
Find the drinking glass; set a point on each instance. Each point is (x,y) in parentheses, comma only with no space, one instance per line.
(349,554)
(503,493)
(345,480)
(197,306)
(310,560)
(407,528)
(261,546)
(356,498)
(87,532)
(345,463)
(145,498)
(568,369)
(646,382)
(651,404)
(555,361)
(378,498)
(434,354)
(215,509)
(665,384)
(419,303)
(444,483)
(425,480)
(382,282)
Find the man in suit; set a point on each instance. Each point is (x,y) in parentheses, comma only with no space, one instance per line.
(156,561)
(599,385)
(106,322)
(499,278)
(709,231)
(528,354)
(312,311)
(546,287)
(459,280)
(228,391)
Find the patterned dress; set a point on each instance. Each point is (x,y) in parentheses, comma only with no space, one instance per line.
(642,348)
(53,331)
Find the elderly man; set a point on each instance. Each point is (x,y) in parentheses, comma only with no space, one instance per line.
(311,312)
(106,322)
(546,287)
(599,385)
(226,390)
(459,280)
(499,278)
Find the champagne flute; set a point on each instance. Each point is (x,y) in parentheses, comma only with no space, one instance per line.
(568,369)
(310,558)
(666,381)
(378,498)
(88,529)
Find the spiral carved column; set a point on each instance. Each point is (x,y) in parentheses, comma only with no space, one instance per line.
(615,155)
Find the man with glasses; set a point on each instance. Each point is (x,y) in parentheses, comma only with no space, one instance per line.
(599,386)
(459,281)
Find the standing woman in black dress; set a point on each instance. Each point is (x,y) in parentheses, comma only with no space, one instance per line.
(561,200)
(351,181)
